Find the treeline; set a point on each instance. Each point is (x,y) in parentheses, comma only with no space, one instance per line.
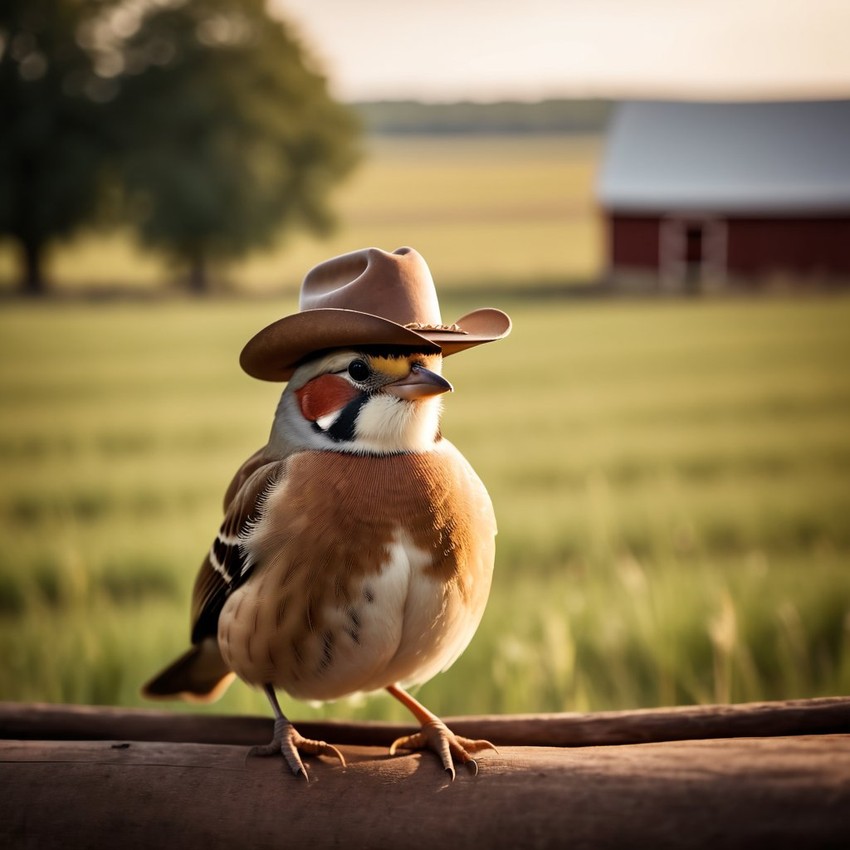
(546,116)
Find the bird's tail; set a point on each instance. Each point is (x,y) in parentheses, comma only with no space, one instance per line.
(199,675)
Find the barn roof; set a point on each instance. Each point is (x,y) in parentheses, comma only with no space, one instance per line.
(780,157)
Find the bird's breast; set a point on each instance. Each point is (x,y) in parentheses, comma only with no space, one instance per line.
(368,570)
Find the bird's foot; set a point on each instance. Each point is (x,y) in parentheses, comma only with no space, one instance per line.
(435,735)
(287,742)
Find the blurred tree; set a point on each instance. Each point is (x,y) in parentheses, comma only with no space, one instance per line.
(52,139)
(228,133)
(207,114)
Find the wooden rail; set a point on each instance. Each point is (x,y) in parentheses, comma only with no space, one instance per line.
(757,775)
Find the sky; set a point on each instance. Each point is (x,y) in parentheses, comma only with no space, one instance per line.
(444,50)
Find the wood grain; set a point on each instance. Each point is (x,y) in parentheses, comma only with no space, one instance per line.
(793,717)
(777,790)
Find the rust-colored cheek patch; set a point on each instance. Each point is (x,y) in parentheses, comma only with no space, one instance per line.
(324,395)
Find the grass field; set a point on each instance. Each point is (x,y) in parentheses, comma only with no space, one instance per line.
(671,478)
(486,211)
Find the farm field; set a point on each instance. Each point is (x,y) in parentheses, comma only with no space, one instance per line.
(671,479)
(484,211)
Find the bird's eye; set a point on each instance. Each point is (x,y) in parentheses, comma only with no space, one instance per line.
(358,370)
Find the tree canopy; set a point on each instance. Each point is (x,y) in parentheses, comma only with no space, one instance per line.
(227,132)
(207,114)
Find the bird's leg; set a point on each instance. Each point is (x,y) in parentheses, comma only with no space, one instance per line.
(287,741)
(436,735)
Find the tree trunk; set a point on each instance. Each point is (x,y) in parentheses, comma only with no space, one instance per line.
(198,280)
(32,279)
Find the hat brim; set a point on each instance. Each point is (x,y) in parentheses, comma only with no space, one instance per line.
(274,353)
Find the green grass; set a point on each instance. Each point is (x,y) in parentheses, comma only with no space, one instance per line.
(672,482)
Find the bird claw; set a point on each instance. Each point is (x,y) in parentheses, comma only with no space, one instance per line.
(287,742)
(435,735)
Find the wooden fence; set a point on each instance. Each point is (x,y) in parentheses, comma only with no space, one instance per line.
(757,775)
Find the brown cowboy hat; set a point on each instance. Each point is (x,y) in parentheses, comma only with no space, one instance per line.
(367,297)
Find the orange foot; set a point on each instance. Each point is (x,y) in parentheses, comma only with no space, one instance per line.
(435,735)
(287,742)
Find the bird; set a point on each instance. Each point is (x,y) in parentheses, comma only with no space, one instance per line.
(357,547)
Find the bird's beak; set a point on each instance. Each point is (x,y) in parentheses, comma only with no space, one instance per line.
(418,383)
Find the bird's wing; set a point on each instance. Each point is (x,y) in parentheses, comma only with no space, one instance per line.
(226,566)
(258,459)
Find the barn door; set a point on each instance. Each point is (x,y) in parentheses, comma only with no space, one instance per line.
(692,251)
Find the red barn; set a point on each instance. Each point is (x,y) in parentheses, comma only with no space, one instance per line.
(696,192)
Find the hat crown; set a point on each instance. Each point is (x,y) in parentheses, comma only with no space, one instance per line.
(397,286)
(367,297)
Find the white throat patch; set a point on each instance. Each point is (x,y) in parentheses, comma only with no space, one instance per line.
(387,424)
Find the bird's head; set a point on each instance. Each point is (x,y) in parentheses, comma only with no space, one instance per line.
(380,400)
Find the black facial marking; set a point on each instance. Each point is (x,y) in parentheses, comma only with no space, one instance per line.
(342,430)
